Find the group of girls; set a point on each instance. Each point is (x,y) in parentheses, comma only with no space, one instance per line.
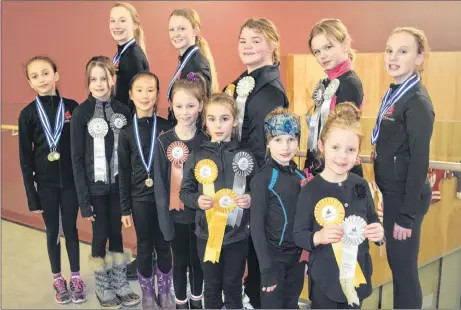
(214,188)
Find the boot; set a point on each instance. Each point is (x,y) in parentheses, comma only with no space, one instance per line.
(196,302)
(166,298)
(104,293)
(118,280)
(149,300)
(131,271)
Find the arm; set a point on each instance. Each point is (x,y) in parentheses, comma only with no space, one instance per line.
(372,215)
(303,234)
(419,122)
(26,159)
(162,194)
(124,172)
(258,211)
(78,146)
(189,193)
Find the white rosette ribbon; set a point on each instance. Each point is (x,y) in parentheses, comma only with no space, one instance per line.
(98,129)
(117,121)
(244,88)
(243,165)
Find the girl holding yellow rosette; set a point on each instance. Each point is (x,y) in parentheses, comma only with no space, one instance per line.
(177,222)
(335,215)
(209,186)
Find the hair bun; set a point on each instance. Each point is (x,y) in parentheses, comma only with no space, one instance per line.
(347,111)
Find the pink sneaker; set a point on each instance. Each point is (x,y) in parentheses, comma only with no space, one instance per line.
(62,294)
(77,288)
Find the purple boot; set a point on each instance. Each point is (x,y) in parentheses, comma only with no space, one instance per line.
(166,298)
(149,300)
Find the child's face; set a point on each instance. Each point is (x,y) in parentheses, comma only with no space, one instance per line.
(121,25)
(42,77)
(341,150)
(144,94)
(219,122)
(253,48)
(100,83)
(401,56)
(328,51)
(182,34)
(283,148)
(186,108)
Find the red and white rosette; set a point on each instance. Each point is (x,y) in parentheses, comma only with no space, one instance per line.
(177,154)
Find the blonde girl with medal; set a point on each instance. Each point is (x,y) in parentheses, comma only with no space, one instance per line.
(330,44)
(177,221)
(215,185)
(335,215)
(275,189)
(95,131)
(401,138)
(194,53)
(137,197)
(131,56)
(44,154)
(258,91)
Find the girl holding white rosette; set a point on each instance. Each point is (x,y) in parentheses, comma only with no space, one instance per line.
(257,91)
(214,184)
(95,130)
(335,215)
(177,222)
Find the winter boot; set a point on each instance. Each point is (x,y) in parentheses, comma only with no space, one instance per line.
(166,298)
(149,299)
(106,296)
(119,282)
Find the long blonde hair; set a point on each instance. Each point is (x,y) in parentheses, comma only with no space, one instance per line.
(269,31)
(138,33)
(192,16)
(332,28)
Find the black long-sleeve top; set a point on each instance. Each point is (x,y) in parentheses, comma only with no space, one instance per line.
(132,62)
(34,148)
(267,95)
(274,196)
(355,196)
(166,217)
(82,151)
(132,173)
(402,151)
(222,155)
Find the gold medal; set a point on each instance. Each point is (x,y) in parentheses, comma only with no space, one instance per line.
(329,211)
(51,156)
(56,155)
(149,182)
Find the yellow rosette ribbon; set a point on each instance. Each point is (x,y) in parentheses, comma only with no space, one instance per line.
(331,211)
(206,172)
(223,205)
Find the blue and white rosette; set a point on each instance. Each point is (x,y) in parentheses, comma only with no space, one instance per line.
(354,227)
(117,121)
(244,88)
(98,129)
(243,165)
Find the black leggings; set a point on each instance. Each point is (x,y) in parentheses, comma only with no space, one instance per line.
(148,233)
(55,200)
(107,225)
(225,275)
(320,301)
(402,255)
(185,255)
(253,279)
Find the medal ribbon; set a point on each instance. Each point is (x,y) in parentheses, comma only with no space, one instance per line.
(148,165)
(51,137)
(389,101)
(117,57)
(179,68)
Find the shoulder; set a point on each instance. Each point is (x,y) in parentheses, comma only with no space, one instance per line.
(163,125)
(136,53)
(127,130)
(70,103)
(27,111)
(350,79)
(263,176)
(119,107)
(356,179)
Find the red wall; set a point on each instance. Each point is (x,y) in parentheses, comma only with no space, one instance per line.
(71,32)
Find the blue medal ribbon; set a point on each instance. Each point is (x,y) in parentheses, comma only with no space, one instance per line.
(389,100)
(51,137)
(179,68)
(148,165)
(117,57)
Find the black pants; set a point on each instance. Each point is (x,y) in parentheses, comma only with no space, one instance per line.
(55,200)
(320,301)
(290,282)
(185,255)
(225,275)
(252,281)
(402,255)
(148,234)
(107,225)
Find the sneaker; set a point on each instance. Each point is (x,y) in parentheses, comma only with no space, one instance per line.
(62,294)
(77,288)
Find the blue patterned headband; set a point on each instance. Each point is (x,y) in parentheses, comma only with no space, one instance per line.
(282,124)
